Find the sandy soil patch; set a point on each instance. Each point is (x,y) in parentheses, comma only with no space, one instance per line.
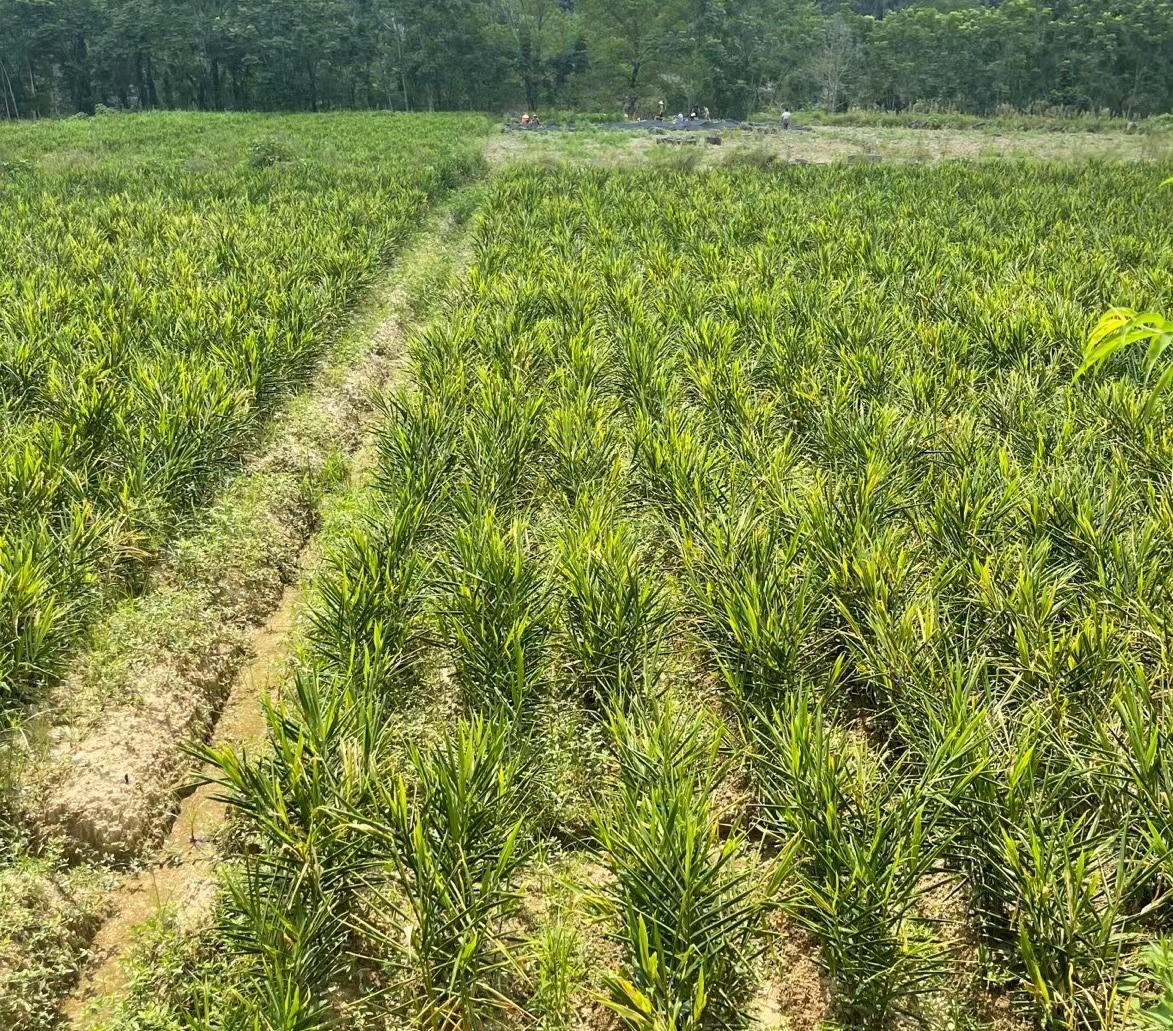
(182,875)
(823,145)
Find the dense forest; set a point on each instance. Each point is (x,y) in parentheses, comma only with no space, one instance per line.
(58,57)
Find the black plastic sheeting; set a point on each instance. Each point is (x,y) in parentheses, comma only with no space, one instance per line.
(651,125)
(667,123)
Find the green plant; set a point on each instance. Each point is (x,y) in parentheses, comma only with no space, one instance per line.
(290,904)
(689,904)
(1057,882)
(503,431)
(455,841)
(867,836)
(495,610)
(267,151)
(754,601)
(1156,1000)
(1123,327)
(1120,328)
(1072,881)
(366,621)
(615,615)
(585,447)
(560,969)
(1142,737)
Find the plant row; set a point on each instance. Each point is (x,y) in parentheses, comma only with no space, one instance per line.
(749,534)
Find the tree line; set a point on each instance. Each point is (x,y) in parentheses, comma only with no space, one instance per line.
(59,57)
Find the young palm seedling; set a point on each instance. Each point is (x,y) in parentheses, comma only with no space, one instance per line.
(455,839)
(689,904)
(617,608)
(502,436)
(584,438)
(867,835)
(495,611)
(1056,879)
(290,905)
(367,619)
(755,605)
(417,452)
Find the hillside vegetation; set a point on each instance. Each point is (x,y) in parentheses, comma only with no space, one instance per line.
(1060,58)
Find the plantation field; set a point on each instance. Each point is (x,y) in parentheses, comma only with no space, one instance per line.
(752,621)
(743,616)
(165,281)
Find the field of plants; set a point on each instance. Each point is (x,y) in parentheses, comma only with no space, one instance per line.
(753,620)
(751,615)
(164,282)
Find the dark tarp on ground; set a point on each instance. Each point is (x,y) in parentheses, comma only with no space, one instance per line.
(652,124)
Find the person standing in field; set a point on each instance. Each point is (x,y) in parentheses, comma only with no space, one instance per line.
(785,119)
(660,110)
(705,114)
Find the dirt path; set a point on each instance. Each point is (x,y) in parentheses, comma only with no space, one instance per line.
(182,873)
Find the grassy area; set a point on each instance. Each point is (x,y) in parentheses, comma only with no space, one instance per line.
(817,143)
(1003,122)
(856,136)
(49,913)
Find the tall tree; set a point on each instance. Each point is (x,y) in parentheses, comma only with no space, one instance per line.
(630,35)
(62,56)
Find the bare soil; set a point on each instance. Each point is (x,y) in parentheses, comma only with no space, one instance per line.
(822,145)
(797,995)
(183,873)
